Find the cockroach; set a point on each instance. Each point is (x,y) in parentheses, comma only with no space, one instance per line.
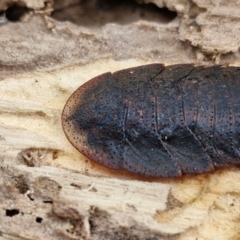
(158,121)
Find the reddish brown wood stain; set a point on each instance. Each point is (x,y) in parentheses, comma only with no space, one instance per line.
(158,121)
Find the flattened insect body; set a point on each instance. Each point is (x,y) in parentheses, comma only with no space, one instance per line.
(158,121)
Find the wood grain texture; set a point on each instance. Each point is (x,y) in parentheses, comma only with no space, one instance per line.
(50,191)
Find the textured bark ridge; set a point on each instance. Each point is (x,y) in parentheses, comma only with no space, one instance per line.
(48,190)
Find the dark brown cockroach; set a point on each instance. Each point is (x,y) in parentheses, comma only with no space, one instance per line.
(158,121)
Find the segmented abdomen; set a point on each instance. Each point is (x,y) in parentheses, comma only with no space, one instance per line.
(158,121)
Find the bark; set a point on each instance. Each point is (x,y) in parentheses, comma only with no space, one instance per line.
(48,190)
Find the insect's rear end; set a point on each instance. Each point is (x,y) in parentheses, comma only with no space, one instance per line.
(158,121)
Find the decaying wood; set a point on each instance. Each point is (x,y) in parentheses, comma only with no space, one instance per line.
(48,190)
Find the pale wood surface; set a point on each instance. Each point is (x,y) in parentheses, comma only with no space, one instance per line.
(49,190)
